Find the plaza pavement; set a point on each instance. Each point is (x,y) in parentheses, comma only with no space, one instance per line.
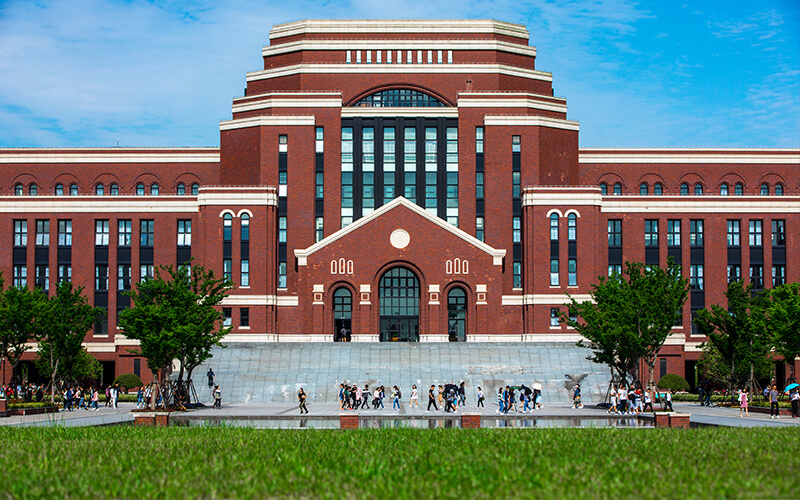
(242,412)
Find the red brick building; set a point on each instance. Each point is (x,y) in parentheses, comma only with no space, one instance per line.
(397,181)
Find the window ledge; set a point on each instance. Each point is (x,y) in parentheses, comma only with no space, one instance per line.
(244,328)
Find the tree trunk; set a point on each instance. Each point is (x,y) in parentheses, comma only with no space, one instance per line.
(651,367)
(53,379)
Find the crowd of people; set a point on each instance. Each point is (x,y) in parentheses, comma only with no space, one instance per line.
(625,401)
(73,397)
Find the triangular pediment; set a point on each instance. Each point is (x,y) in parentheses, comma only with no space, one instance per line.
(496,254)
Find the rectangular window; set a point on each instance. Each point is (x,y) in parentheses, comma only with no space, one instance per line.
(516,144)
(358,57)
(65,233)
(389,166)
(756,233)
(42,278)
(517,274)
(244,314)
(347,176)
(184,233)
(20,233)
(696,276)
(101,233)
(554,227)
(554,318)
(319,136)
(757,276)
(553,272)
(778,275)
(319,232)
(282,229)
(451,168)
(614,233)
(20,276)
(572,222)
(244,226)
(101,324)
(516,184)
(245,274)
(696,233)
(479,140)
(572,272)
(101,277)
(42,233)
(281,274)
(778,233)
(124,277)
(146,235)
(614,269)
(227,271)
(479,185)
(146,272)
(479,228)
(348,57)
(517,228)
(674,233)
(319,190)
(378,56)
(734,235)
(734,272)
(124,233)
(226,316)
(651,233)
(64,273)
(369,57)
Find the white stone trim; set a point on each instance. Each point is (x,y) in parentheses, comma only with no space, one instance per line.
(538,198)
(714,156)
(398,69)
(267,121)
(249,300)
(571,338)
(702,204)
(362,337)
(395,45)
(555,299)
(530,121)
(675,338)
(494,337)
(433,26)
(121,155)
(692,347)
(121,339)
(98,204)
(554,211)
(100,346)
(499,102)
(270,101)
(303,254)
(287,301)
(434,337)
(261,197)
(366,111)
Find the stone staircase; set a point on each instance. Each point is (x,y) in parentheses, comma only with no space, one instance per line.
(272,373)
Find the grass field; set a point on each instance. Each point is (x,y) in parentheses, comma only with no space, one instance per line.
(219,462)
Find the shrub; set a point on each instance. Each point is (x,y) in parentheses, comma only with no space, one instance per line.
(128,381)
(674,382)
(28,404)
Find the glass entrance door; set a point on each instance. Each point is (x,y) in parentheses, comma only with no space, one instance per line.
(399,309)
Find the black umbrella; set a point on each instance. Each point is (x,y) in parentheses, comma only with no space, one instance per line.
(527,389)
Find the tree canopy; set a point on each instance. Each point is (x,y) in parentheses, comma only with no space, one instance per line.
(20,309)
(783,322)
(630,315)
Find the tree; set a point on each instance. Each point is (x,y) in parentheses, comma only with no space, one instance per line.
(175,316)
(783,321)
(630,315)
(66,318)
(738,333)
(19,309)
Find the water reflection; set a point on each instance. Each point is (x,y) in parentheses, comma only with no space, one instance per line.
(566,422)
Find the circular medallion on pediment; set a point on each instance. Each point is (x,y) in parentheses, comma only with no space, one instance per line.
(400,238)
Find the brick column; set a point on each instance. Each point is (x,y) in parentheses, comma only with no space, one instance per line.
(679,420)
(348,421)
(662,420)
(3,407)
(145,420)
(162,419)
(470,420)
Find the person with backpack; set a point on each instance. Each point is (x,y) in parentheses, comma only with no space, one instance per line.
(395,398)
(462,395)
(480,398)
(576,397)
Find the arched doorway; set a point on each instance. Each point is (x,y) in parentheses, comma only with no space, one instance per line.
(457,314)
(342,314)
(399,309)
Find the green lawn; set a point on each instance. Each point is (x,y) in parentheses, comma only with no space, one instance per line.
(131,462)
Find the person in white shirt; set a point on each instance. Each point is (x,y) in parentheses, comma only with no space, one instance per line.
(414,397)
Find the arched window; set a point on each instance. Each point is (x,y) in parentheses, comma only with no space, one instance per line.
(59,190)
(765,190)
(457,314)
(18,190)
(73,189)
(99,190)
(643,188)
(778,189)
(603,188)
(658,189)
(195,189)
(698,189)
(572,227)
(738,189)
(553,227)
(617,188)
(684,189)
(400,98)
(33,190)
(342,314)
(181,189)
(227,227)
(723,189)
(245,227)
(154,189)
(140,189)
(399,306)
(114,188)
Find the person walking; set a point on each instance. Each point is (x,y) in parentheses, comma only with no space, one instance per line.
(95,399)
(359,395)
(743,410)
(462,395)
(301,397)
(217,398)
(140,397)
(480,397)
(525,402)
(501,402)
(613,399)
(395,398)
(432,399)
(414,397)
(576,397)
(623,399)
(210,376)
(795,398)
(648,401)
(773,402)
(440,397)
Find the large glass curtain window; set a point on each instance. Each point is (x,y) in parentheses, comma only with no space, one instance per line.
(399,306)
(342,314)
(457,315)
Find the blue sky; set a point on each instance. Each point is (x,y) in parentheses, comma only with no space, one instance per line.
(635,74)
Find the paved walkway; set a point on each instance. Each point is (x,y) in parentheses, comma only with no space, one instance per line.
(107,416)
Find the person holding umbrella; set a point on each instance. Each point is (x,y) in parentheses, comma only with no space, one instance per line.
(794,396)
